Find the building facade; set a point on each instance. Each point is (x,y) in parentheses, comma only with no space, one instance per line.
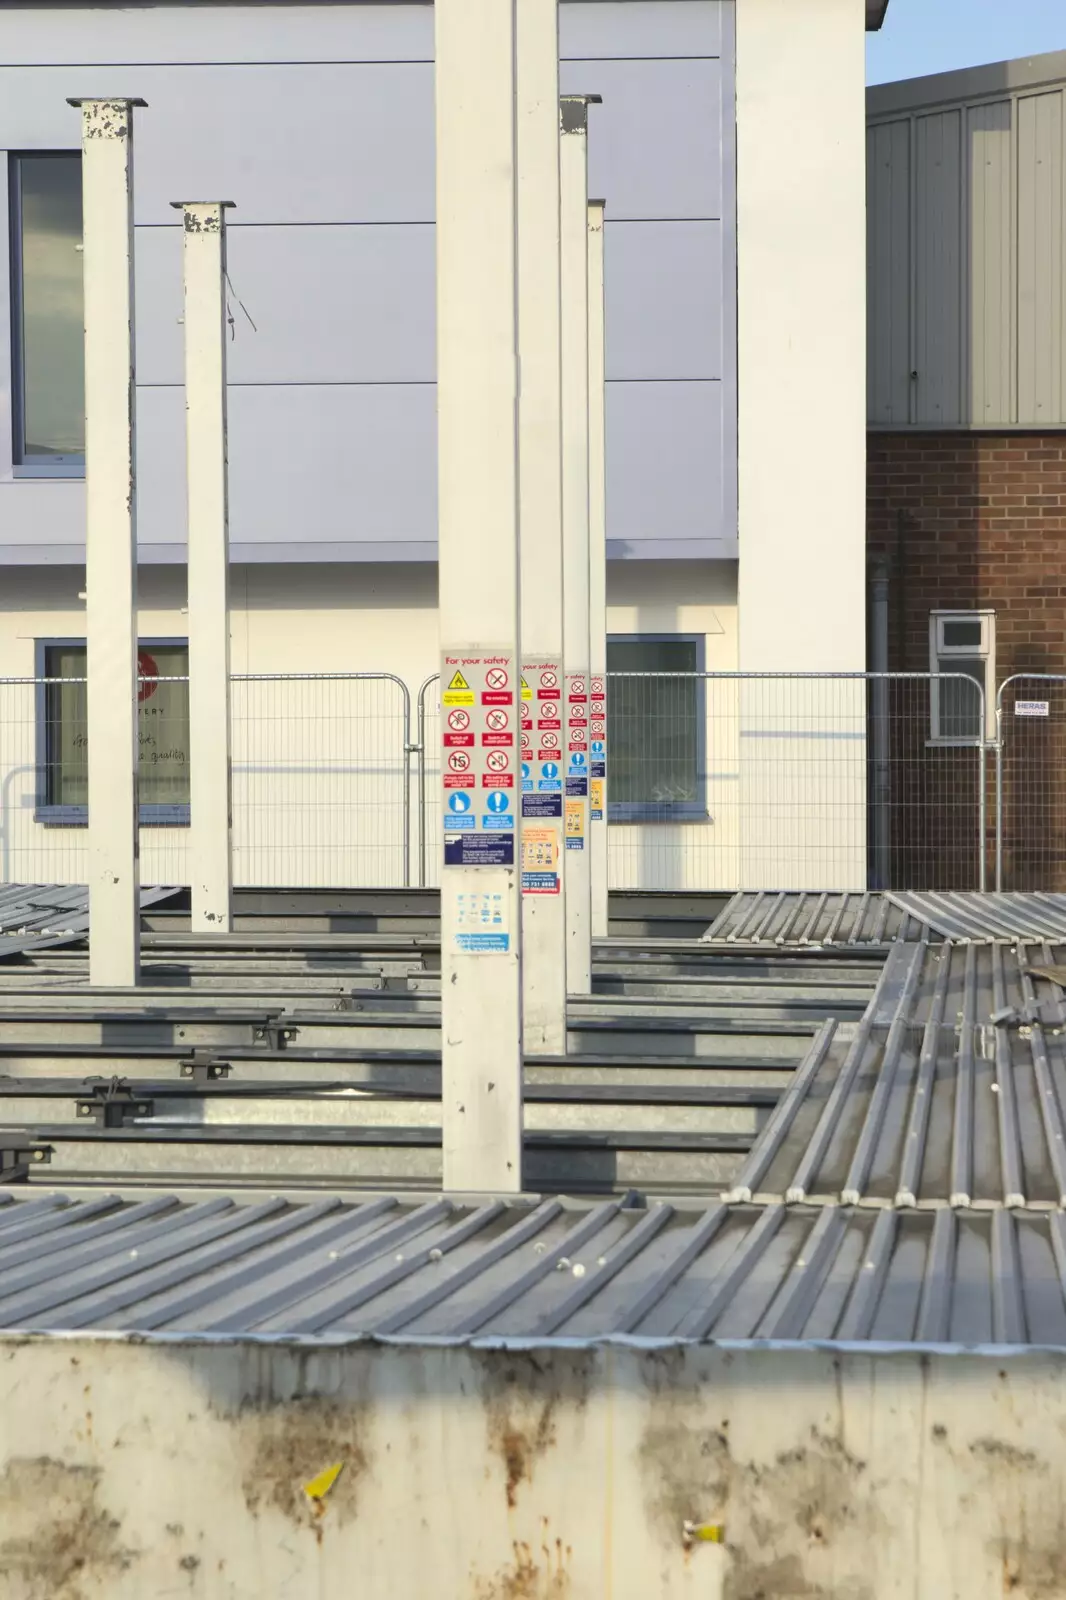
(728,149)
(967,417)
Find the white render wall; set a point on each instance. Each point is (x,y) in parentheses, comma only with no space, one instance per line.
(319,771)
(801,317)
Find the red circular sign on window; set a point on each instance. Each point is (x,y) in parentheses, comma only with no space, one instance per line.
(147,670)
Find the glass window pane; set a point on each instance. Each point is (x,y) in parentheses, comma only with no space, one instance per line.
(653,723)
(960,704)
(52,324)
(66,731)
(164,726)
(962,635)
(163,718)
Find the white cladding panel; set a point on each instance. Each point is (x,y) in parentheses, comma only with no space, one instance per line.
(317,121)
(967,259)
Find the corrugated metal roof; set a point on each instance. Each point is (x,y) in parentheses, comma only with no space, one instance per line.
(986,916)
(950,1092)
(808,918)
(34,916)
(439,1271)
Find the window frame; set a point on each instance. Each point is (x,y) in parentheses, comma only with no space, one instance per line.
(63,816)
(940,659)
(23,466)
(648,811)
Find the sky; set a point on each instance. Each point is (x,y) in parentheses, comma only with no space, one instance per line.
(921,36)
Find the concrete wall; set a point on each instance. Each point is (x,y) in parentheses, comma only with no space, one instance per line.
(129,1470)
(317,121)
(319,770)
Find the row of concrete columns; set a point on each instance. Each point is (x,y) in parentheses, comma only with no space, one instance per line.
(522,562)
(111,549)
(520,373)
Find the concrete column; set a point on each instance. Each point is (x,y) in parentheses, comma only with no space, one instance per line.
(541,512)
(210,841)
(573,205)
(597,580)
(110,541)
(477,433)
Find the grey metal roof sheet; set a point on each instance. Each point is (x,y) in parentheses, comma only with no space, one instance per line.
(959,915)
(435,1271)
(950,1092)
(784,918)
(36,916)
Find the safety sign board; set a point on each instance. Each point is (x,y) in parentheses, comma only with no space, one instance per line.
(577,733)
(575,824)
(478,758)
(598,725)
(540,861)
(481,925)
(596,807)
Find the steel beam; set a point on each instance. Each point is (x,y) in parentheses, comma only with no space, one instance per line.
(210,782)
(110,540)
(541,511)
(573,182)
(477,381)
(598,797)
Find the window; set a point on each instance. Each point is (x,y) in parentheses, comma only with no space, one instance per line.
(62,733)
(655,729)
(46,315)
(962,642)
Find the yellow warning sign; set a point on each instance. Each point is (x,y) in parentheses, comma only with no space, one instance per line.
(527,692)
(575,819)
(458,682)
(458,692)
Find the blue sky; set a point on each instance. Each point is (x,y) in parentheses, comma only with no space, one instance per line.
(921,36)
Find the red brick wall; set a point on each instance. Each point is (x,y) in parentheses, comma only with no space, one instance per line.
(974,521)
(977,522)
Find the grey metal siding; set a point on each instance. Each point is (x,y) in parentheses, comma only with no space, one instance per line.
(966,255)
(1040,224)
(888,248)
(938,247)
(317,121)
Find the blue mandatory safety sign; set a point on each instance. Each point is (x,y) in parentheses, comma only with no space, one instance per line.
(499,800)
(598,747)
(475,943)
(458,801)
(527,781)
(577,760)
(497,822)
(549,769)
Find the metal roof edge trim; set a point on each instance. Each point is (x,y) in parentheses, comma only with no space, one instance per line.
(514,1343)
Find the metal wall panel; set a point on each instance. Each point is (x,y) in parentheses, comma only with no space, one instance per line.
(330,304)
(655,144)
(664,300)
(318,122)
(1040,259)
(640,28)
(665,479)
(300,143)
(32,35)
(939,275)
(888,215)
(988,129)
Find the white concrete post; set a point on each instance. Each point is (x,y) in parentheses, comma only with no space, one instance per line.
(573,205)
(597,579)
(110,541)
(211,825)
(541,514)
(477,436)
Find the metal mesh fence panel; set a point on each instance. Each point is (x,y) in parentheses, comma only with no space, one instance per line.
(1030,765)
(795,781)
(321,797)
(429,823)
